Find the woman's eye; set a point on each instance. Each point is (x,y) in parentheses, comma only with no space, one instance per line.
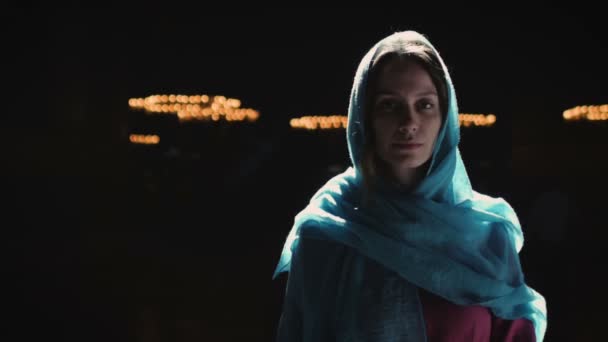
(387,106)
(426,105)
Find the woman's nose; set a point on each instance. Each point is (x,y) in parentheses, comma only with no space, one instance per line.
(407,129)
(407,123)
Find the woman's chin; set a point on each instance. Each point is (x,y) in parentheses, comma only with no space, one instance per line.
(406,163)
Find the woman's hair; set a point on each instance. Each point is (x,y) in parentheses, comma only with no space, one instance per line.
(406,51)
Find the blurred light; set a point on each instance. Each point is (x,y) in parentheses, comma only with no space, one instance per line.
(476,120)
(144,139)
(195,107)
(330,122)
(341,121)
(586,112)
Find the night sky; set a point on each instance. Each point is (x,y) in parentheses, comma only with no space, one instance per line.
(129,244)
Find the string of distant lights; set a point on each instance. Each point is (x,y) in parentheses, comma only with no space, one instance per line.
(477,120)
(195,107)
(218,107)
(144,139)
(591,113)
(319,122)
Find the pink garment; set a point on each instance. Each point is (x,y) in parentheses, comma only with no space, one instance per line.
(448,322)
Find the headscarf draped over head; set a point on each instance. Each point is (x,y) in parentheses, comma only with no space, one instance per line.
(442,236)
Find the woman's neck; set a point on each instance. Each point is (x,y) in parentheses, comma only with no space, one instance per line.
(408,179)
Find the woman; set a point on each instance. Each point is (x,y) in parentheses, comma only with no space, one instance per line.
(399,247)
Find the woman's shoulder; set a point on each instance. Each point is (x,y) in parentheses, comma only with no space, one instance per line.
(316,271)
(318,252)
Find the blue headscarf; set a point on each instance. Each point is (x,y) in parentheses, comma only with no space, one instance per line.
(441,236)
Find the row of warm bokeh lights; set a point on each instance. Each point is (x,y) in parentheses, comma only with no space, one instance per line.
(591,113)
(341,121)
(319,122)
(144,139)
(477,120)
(195,107)
(218,107)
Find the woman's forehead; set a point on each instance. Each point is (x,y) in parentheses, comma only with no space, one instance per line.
(399,76)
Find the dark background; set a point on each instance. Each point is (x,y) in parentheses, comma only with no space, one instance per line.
(178,242)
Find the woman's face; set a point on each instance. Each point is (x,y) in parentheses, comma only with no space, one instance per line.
(406,119)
